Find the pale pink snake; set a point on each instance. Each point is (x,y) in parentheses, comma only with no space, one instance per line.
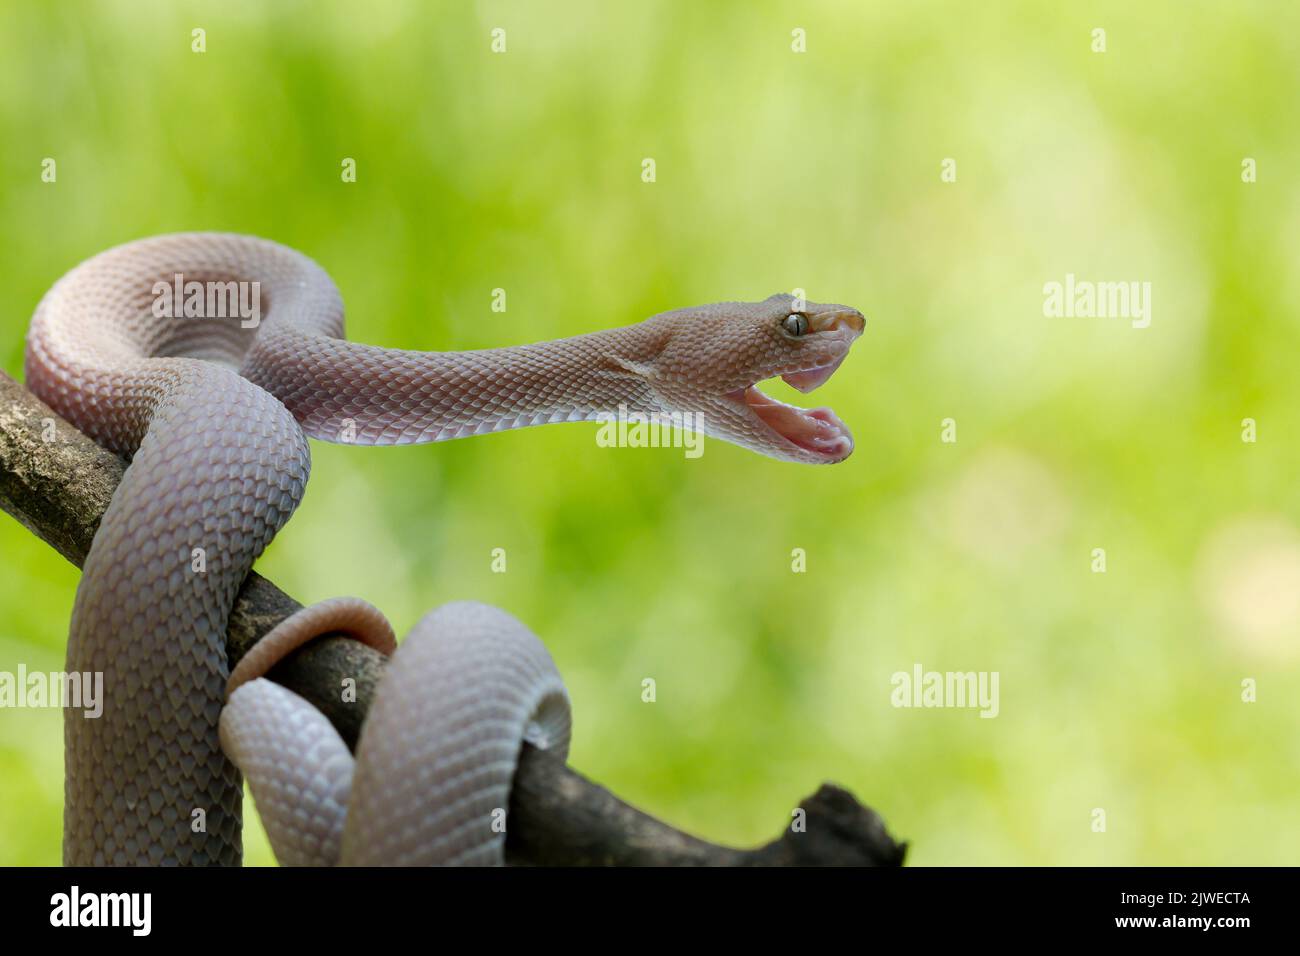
(215,418)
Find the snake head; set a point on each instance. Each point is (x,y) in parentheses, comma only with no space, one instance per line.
(715,356)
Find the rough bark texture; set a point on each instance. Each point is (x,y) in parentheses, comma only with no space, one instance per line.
(57,483)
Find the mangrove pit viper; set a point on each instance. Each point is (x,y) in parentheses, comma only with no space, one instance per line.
(214,414)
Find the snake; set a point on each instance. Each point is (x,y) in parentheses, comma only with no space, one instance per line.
(207,361)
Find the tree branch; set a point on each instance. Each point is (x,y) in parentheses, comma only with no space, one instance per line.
(57,483)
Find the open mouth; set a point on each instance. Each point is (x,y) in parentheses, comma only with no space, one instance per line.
(816,431)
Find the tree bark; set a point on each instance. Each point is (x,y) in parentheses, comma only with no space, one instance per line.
(57,483)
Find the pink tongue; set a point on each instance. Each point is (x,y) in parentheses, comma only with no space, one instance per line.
(807,381)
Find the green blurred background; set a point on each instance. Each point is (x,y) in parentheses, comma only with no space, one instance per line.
(775,171)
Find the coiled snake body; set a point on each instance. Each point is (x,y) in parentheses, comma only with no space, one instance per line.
(214,414)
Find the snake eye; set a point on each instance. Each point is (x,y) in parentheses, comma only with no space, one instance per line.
(795,324)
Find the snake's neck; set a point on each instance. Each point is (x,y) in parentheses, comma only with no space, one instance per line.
(345,392)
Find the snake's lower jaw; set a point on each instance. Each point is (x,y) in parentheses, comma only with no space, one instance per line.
(817,432)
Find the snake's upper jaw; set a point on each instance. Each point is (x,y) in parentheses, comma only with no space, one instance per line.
(838,327)
(813,378)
